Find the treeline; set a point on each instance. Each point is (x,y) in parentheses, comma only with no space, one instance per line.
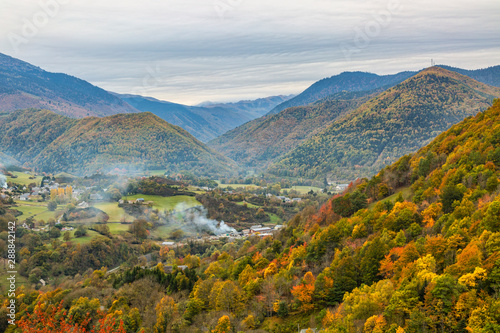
(156,185)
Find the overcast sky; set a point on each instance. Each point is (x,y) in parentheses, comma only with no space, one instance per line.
(190,51)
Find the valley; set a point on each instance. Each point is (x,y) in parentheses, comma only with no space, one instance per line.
(366,203)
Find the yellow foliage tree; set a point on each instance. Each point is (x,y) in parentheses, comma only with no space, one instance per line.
(270,270)
(223,325)
(375,324)
(69,191)
(470,279)
(167,315)
(431,213)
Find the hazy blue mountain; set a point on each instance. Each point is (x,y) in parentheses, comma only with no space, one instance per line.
(359,81)
(490,75)
(23,85)
(208,121)
(347,81)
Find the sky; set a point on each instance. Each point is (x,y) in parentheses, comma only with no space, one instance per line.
(192,51)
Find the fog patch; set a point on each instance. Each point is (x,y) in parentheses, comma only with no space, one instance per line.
(195,220)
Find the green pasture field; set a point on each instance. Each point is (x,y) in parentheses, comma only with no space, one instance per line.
(23,178)
(166,203)
(303,189)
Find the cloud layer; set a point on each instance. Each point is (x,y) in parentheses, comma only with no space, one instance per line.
(191,51)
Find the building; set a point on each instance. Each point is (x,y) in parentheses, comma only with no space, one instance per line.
(341,187)
(262,230)
(24,197)
(169,268)
(83,204)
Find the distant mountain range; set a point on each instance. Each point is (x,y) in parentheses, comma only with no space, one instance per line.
(490,75)
(26,86)
(348,125)
(258,142)
(263,141)
(23,86)
(360,81)
(347,81)
(53,143)
(396,122)
(209,121)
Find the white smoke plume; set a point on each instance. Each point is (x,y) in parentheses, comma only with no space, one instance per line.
(3,181)
(190,218)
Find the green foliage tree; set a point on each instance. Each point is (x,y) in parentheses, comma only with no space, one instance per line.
(54,233)
(52,206)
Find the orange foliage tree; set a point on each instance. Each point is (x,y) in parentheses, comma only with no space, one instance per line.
(304,292)
(50,319)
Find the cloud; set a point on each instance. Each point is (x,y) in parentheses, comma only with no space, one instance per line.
(234,49)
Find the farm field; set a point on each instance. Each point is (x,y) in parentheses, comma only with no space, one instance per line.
(275,219)
(302,189)
(37,210)
(117,228)
(166,203)
(163,232)
(248,186)
(115,213)
(80,240)
(24,179)
(251,205)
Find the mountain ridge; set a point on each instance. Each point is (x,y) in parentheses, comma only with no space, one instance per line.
(381,129)
(345,81)
(53,143)
(23,85)
(256,143)
(205,122)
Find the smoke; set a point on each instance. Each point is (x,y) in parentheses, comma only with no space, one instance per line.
(194,219)
(3,181)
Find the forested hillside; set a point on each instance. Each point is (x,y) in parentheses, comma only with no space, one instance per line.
(257,143)
(416,248)
(140,141)
(490,75)
(427,261)
(360,81)
(346,81)
(395,123)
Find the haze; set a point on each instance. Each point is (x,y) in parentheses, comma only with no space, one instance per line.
(189,51)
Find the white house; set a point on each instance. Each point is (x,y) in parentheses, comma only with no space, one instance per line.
(24,197)
(83,204)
